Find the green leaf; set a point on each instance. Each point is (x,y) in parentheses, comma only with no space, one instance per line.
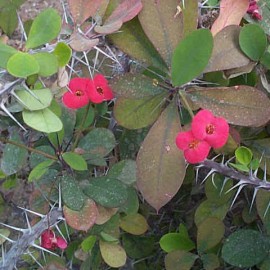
(262,205)
(88,243)
(245,248)
(138,113)
(84,218)
(47,62)
(40,170)
(189,60)
(124,171)
(63,53)
(190,16)
(8,19)
(13,157)
(134,224)
(25,60)
(132,40)
(253,41)
(243,155)
(97,144)
(162,26)
(179,259)
(75,161)
(210,261)
(210,232)
(175,241)
(5,53)
(45,27)
(131,206)
(135,86)
(43,120)
(72,195)
(36,99)
(80,116)
(265,60)
(106,191)
(240,105)
(161,169)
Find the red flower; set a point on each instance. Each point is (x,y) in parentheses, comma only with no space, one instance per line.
(253,9)
(77,96)
(195,150)
(99,91)
(214,130)
(50,241)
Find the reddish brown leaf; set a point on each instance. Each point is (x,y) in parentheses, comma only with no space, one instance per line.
(124,12)
(84,219)
(241,105)
(81,10)
(161,166)
(231,12)
(80,43)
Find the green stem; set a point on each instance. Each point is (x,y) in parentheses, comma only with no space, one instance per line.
(81,128)
(33,150)
(185,102)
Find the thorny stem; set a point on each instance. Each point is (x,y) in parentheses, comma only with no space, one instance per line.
(231,173)
(31,149)
(185,102)
(81,128)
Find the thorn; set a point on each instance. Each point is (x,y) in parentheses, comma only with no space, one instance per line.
(88,65)
(14,228)
(60,197)
(32,212)
(215,157)
(33,257)
(265,172)
(229,160)
(213,181)
(8,239)
(44,249)
(211,171)
(20,100)
(223,185)
(253,199)
(27,221)
(237,193)
(267,208)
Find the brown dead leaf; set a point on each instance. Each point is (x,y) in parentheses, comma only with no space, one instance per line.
(79,43)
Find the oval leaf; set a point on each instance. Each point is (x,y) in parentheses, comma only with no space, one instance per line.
(48,63)
(162,26)
(75,161)
(253,41)
(5,53)
(135,224)
(240,105)
(40,170)
(83,219)
(113,254)
(161,169)
(179,259)
(72,195)
(45,27)
(35,99)
(243,155)
(189,60)
(107,192)
(43,120)
(245,248)
(138,113)
(63,53)
(25,60)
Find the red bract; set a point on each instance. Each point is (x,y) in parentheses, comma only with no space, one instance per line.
(214,130)
(99,90)
(195,150)
(77,96)
(50,241)
(253,9)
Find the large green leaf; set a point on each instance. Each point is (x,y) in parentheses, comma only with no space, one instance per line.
(22,65)
(72,195)
(106,191)
(132,40)
(63,53)
(39,170)
(239,105)
(179,259)
(138,113)
(245,248)
(189,60)
(227,53)
(253,41)
(162,26)
(13,157)
(134,224)
(48,63)
(75,161)
(36,100)
(45,27)
(8,19)
(5,53)
(43,120)
(135,86)
(160,164)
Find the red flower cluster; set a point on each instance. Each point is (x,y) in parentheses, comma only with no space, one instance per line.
(84,90)
(206,131)
(253,9)
(50,241)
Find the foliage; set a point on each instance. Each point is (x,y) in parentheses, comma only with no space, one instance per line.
(111,143)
